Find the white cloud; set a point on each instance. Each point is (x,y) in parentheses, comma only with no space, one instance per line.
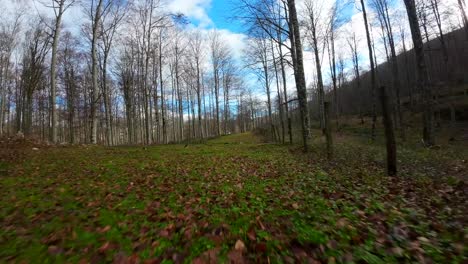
(236,41)
(193,9)
(73,18)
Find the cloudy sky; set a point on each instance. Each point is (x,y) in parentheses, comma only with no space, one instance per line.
(204,14)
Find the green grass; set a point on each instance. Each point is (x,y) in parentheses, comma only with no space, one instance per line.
(178,204)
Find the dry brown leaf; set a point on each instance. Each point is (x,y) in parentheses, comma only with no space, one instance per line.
(240,245)
(104,247)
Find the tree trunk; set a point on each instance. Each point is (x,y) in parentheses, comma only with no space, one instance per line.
(267,87)
(394,64)
(161,85)
(218,125)
(298,63)
(328,133)
(107,104)
(461,6)
(53,81)
(372,65)
(318,66)
(334,77)
(285,93)
(389,132)
(423,81)
(199,103)
(280,103)
(94,71)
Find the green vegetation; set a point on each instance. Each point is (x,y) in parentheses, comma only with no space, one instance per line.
(231,199)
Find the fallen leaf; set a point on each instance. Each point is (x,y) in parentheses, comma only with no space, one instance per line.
(423,240)
(105,229)
(239,245)
(104,247)
(54,250)
(342,222)
(164,233)
(251,234)
(235,257)
(397,251)
(261,247)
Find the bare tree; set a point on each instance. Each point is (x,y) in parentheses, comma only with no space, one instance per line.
(271,17)
(258,58)
(126,76)
(219,52)
(352,43)
(69,60)
(382,8)
(59,7)
(278,90)
(423,81)
(32,76)
(96,11)
(462,7)
(372,66)
(298,62)
(196,47)
(313,25)
(9,30)
(111,20)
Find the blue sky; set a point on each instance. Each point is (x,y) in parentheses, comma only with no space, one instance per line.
(209,13)
(220,13)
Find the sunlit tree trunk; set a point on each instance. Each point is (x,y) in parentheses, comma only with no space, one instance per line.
(298,62)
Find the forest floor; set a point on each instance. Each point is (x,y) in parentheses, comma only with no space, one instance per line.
(232,199)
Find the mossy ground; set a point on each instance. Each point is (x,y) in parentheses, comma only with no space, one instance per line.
(232,199)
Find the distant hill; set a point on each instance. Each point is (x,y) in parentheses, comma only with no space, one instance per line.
(449,82)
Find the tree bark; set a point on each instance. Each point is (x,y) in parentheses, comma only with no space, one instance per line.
(389,132)
(94,72)
(372,65)
(462,6)
(53,81)
(422,78)
(318,66)
(299,75)
(328,133)
(285,93)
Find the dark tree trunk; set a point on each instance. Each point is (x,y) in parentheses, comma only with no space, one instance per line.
(423,78)
(389,133)
(328,133)
(299,76)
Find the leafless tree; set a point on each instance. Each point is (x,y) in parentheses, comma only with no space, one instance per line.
(298,62)
(423,81)
(382,10)
(9,31)
(219,53)
(313,25)
(59,7)
(111,20)
(372,68)
(32,76)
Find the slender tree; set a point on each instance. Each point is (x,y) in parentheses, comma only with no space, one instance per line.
(298,62)
(96,12)
(422,78)
(313,25)
(372,68)
(59,7)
